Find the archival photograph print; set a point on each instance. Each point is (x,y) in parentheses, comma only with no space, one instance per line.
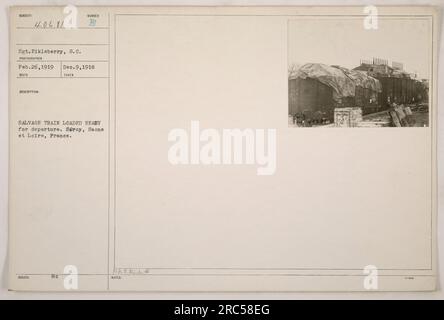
(343,72)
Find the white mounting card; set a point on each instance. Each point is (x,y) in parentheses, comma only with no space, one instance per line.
(223,148)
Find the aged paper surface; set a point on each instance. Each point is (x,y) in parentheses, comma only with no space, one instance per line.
(222,149)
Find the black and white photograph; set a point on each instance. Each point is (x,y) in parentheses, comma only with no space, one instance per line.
(342,73)
(146,153)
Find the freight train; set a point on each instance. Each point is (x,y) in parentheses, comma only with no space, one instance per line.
(315,90)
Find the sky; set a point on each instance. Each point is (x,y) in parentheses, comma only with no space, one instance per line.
(345,42)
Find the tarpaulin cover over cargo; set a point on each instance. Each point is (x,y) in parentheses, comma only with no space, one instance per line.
(361,79)
(343,81)
(400,74)
(342,85)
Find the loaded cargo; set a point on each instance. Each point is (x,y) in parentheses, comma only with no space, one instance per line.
(316,89)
